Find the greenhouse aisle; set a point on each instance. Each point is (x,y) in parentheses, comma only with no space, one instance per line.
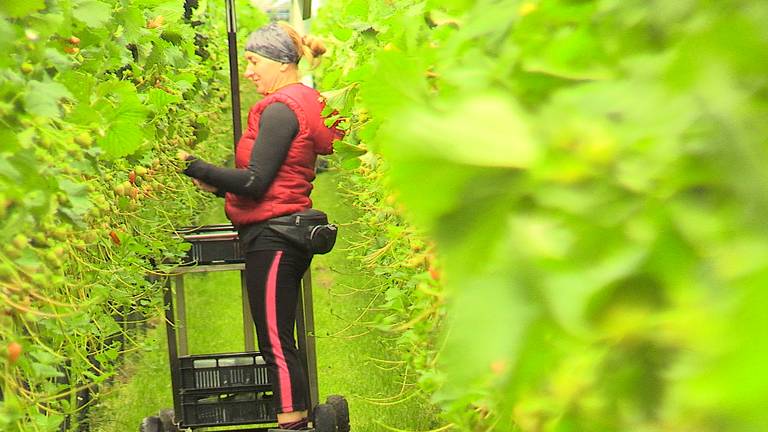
(352,359)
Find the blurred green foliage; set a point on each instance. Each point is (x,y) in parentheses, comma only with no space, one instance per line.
(592,175)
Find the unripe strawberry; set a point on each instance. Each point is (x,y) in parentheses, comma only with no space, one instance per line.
(20,241)
(120,189)
(74,40)
(84,139)
(27,68)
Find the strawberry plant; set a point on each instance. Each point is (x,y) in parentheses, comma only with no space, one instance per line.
(96,98)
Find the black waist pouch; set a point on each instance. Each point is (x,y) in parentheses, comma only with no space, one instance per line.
(309,230)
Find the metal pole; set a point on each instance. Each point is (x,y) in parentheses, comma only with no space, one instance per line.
(234,77)
(297,15)
(173,355)
(248,325)
(305,332)
(181,315)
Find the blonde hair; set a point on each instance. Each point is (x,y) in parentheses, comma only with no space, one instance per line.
(306,46)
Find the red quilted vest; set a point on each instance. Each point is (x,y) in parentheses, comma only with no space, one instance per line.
(289,192)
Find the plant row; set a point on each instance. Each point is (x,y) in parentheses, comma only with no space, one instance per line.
(96,98)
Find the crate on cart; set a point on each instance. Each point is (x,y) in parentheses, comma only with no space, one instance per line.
(233,407)
(211,245)
(222,371)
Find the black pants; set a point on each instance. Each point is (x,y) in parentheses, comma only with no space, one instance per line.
(273,279)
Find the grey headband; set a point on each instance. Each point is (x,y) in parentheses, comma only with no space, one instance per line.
(272,42)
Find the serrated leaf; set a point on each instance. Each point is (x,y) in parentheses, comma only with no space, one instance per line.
(58,60)
(159,99)
(20,8)
(42,98)
(122,138)
(174,57)
(45,371)
(80,84)
(133,23)
(46,421)
(92,12)
(169,10)
(184,81)
(79,204)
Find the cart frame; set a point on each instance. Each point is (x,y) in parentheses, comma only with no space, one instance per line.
(176,328)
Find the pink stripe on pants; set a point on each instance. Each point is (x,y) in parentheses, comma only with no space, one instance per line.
(284,377)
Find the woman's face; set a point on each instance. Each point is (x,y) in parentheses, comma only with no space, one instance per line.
(263,72)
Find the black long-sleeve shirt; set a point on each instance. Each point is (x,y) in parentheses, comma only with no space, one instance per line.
(278,127)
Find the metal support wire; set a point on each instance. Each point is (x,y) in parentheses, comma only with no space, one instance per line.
(234,76)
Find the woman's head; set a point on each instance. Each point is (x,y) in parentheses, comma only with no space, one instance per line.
(273,53)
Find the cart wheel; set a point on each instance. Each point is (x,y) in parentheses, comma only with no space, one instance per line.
(151,424)
(341,407)
(324,418)
(167,420)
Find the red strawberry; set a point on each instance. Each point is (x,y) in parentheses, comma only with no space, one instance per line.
(14,351)
(114,237)
(434,273)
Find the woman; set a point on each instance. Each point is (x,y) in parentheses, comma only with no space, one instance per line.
(275,161)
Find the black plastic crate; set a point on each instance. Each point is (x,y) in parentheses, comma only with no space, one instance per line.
(212,244)
(228,408)
(223,371)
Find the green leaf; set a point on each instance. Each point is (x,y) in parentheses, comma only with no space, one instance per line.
(183,81)
(79,204)
(122,138)
(46,421)
(45,371)
(7,170)
(394,80)
(57,59)
(174,57)
(121,104)
(42,98)
(169,9)
(20,8)
(8,143)
(486,326)
(457,134)
(80,84)
(134,23)
(159,99)
(7,37)
(92,13)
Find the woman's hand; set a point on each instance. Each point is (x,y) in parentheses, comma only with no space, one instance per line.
(184,156)
(204,186)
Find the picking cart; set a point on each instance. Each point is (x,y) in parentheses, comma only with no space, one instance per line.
(231,389)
